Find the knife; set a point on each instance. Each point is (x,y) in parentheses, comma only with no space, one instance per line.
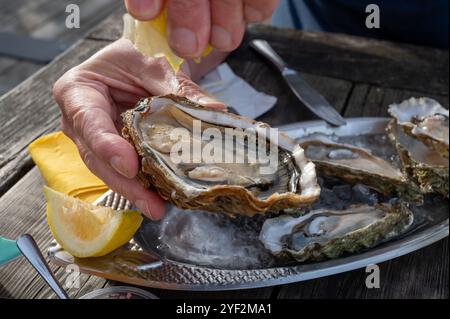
(304,92)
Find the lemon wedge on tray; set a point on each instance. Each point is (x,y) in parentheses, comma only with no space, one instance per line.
(86,230)
(150,38)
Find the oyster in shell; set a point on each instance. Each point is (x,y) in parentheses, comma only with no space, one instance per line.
(356,165)
(425,165)
(324,233)
(424,119)
(232,188)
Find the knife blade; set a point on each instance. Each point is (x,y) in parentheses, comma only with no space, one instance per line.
(313,100)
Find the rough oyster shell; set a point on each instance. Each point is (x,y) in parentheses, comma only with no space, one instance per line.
(424,119)
(421,163)
(326,233)
(357,165)
(196,186)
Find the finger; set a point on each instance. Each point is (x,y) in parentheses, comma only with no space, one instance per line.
(124,98)
(148,202)
(88,113)
(196,71)
(193,92)
(188,26)
(157,76)
(259,10)
(144,9)
(227,24)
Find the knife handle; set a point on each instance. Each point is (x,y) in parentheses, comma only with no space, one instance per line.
(264,48)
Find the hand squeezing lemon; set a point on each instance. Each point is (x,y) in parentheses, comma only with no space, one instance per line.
(150,38)
(86,230)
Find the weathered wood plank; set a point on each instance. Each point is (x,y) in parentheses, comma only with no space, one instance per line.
(33,100)
(16,73)
(46,19)
(367,100)
(110,29)
(288,108)
(26,16)
(355,59)
(92,13)
(92,283)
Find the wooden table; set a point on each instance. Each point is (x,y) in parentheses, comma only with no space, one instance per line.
(44,19)
(361,77)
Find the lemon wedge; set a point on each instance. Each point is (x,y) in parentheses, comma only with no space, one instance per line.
(150,38)
(86,230)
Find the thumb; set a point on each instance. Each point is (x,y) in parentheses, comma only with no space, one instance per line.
(157,77)
(188,89)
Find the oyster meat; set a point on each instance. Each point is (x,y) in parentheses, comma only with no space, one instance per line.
(359,166)
(424,119)
(425,165)
(238,187)
(327,233)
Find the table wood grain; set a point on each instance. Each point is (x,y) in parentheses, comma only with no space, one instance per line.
(44,19)
(361,77)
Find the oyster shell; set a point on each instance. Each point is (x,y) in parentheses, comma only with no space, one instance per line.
(234,188)
(329,234)
(421,163)
(424,119)
(357,165)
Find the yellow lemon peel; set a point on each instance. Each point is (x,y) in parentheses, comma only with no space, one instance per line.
(86,230)
(150,38)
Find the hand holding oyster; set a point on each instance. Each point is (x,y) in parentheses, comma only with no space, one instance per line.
(241,185)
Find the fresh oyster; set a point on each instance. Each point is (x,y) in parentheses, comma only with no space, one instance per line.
(423,164)
(240,187)
(357,165)
(329,234)
(424,119)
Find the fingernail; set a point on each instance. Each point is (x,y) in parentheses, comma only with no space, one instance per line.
(117,163)
(210,102)
(220,38)
(142,9)
(184,41)
(253,15)
(143,208)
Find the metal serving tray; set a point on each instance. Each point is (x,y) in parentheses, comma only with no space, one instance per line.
(140,263)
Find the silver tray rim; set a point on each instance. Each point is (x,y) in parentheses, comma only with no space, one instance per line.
(301,272)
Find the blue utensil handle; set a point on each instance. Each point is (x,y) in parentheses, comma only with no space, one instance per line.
(8,250)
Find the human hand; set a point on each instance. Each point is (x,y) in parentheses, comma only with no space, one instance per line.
(192,24)
(94,94)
